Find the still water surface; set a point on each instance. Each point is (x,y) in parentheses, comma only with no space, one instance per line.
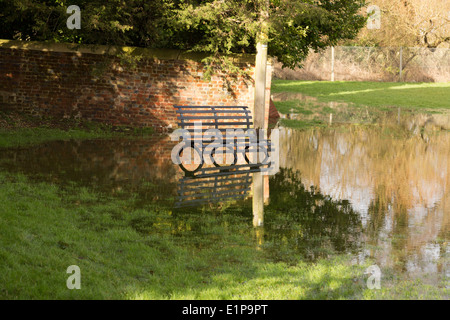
(396,181)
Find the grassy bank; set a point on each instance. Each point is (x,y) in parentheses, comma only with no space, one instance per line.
(372,94)
(28,136)
(126,252)
(21,130)
(130,251)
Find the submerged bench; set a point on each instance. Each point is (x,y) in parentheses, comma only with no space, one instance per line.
(221,118)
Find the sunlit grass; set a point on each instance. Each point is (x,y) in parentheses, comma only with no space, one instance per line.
(372,94)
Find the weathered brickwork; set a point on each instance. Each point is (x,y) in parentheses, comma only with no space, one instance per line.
(64,83)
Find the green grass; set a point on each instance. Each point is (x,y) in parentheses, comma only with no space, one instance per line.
(300,124)
(28,136)
(372,94)
(408,290)
(21,129)
(126,251)
(294,106)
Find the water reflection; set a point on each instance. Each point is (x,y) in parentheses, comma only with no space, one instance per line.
(213,188)
(397,181)
(116,165)
(303,220)
(380,192)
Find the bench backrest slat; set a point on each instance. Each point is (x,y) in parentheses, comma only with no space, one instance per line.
(215,123)
(218,117)
(211,107)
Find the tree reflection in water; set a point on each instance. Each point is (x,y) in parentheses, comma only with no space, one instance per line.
(306,221)
(396,178)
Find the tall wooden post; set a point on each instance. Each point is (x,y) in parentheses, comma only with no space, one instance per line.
(401,64)
(259,112)
(332,63)
(260,86)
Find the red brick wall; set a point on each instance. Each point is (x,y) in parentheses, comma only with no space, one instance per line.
(61,83)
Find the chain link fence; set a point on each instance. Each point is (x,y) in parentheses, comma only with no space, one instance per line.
(373,64)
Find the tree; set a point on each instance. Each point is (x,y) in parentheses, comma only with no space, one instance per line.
(410,23)
(294,27)
(113,22)
(217,27)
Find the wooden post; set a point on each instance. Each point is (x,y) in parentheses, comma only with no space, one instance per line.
(260,86)
(401,63)
(332,63)
(259,112)
(259,115)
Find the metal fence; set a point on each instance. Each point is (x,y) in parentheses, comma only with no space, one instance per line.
(373,64)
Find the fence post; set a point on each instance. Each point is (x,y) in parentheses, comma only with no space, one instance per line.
(401,63)
(332,63)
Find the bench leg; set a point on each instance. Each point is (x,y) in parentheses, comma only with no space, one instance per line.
(187,171)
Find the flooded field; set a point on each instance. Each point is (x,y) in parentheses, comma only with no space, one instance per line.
(371,192)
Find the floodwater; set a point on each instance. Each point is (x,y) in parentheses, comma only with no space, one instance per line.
(342,112)
(396,181)
(379,192)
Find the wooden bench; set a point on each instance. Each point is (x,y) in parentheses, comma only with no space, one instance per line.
(221,118)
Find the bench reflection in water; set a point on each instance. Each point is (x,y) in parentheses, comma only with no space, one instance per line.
(211,185)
